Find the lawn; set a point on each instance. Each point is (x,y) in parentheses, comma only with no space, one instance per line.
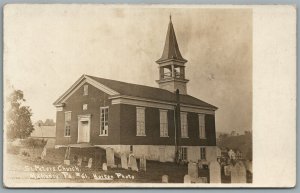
(28,166)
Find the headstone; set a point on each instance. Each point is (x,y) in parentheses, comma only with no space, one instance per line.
(110,157)
(90,163)
(143,162)
(227,170)
(231,154)
(104,167)
(124,161)
(44,153)
(248,165)
(132,163)
(165,179)
(193,170)
(67,162)
(238,173)
(214,172)
(186,179)
(84,159)
(79,161)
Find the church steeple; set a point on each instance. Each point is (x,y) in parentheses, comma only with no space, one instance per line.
(171,49)
(171,64)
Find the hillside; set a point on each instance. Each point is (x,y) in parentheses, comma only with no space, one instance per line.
(241,142)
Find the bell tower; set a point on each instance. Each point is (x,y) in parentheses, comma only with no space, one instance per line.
(172,65)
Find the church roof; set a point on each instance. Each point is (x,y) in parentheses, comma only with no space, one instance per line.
(148,92)
(171,49)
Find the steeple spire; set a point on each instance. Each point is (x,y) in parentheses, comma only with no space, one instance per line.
(172,64)
(171,49)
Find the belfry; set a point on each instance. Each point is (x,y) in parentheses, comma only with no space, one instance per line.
(172,65)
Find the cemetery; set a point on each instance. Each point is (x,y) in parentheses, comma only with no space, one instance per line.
(96,165)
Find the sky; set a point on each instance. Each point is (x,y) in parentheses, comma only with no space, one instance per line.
(47,48)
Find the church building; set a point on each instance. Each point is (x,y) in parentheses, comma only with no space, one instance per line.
(163,123)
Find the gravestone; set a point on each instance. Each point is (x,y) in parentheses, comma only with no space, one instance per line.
(214,172)
(187,179)
(132,163)
(84,159)
(143,162)
(90,163)
(79,161)
(124,161)
(44,153)
(165,179)
(231,154)
(193,170)
(227,170)
(238,173)
(104,167)
(248,165)
(67,162)
(110,157)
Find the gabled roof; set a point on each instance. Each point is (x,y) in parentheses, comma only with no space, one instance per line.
(118,88)
(148,92)
(171,49)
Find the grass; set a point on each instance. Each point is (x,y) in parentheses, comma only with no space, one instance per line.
(55,157)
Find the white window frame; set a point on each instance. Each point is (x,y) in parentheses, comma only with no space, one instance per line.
(104,122)
(202,133)
(86,90)
(140,121)
(163,123)
(183,153)
(67,119)
(184,125)
(84,107)
(201,153)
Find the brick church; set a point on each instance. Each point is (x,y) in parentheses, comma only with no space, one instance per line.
(163,123)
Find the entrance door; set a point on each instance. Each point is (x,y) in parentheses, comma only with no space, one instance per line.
(83,131)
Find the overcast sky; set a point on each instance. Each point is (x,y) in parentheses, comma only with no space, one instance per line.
(47,48)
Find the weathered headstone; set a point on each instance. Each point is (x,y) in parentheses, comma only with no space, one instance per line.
(90,163)
(187,179)
(214,172)
(248,165)
(79,161)
(238,173)
(124,161)
(193,170)
(104,167)
(231,154)
(165,179)
(110,157)
(143,162)
(132,163)
(67,162)
(227,170)
(44,153)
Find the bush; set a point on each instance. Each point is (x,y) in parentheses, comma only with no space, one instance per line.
(25,153)
(34,143)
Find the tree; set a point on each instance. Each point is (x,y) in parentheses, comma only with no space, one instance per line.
(49,122)
(19,124)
